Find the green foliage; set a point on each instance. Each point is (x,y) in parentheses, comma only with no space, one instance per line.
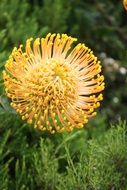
(45,164)
(53,15)
(31,161)
(102,165)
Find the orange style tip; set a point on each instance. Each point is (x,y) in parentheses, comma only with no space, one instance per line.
(33,109)
(29,121)
(49,34)
(86,121)
(70,129)
(35,126)
(94,113)
(68,123)
(38,122)
(75,39)
(97,104)
(55,121)
(4,72)
(46,111)
(102,87)
(30,39)
(42,118)
(53,35)
(19,105)
(21,45)
(62,111)
(41,127)
(27,108)
(6,90)
(61,130)
(52,132)
(80,125)
(50,128)
(57,128)
(20,111)
(44,129)
(12,104)
(47,122)
(37,42)
(91,109)
(23,117)
(101,98)
(102,77)
(53,114)
(35,116)
(26,115)
(15,48)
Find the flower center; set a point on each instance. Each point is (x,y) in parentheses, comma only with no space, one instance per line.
(62,82)
(60,70)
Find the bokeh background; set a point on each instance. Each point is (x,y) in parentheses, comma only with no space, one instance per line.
(27,158)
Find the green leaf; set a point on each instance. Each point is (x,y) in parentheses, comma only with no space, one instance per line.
(5,105)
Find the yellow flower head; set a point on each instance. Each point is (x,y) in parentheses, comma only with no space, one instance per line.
(125,4)
(52,84)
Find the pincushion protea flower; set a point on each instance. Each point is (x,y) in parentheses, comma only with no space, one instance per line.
(52,84)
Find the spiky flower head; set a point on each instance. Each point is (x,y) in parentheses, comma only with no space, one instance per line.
(52,85)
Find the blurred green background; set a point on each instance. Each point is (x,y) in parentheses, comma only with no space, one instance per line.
(33,161)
